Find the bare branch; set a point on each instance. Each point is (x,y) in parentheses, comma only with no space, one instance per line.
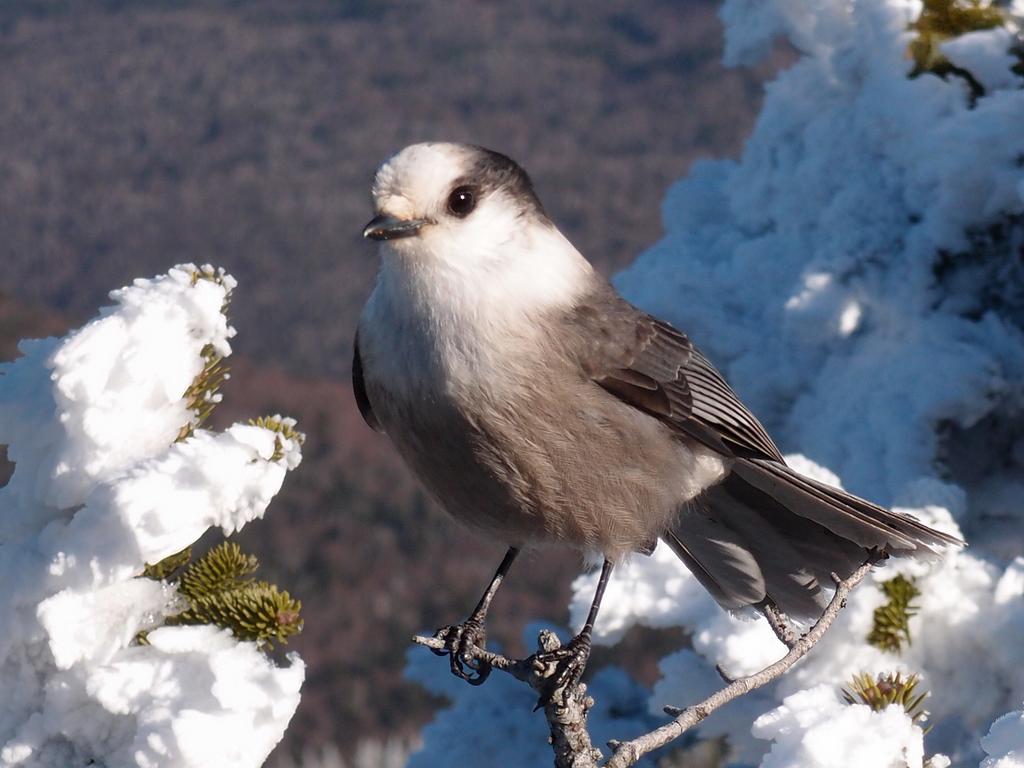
(567,709)
(726,677)
(629,752)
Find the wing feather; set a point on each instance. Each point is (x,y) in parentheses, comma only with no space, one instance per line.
(765,531)
(663,374)
(359,389)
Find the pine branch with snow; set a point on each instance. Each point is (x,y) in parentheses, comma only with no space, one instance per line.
(219,589)
(943,20)
(116,477)
(203,394)
(886,690)
(223,569)
(169,566)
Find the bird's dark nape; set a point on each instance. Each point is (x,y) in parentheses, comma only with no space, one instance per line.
(492,171)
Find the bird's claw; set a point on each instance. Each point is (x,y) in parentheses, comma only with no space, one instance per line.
(460,643)
(571,662)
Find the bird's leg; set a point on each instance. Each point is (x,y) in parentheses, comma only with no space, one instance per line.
(460,639)
(572,658)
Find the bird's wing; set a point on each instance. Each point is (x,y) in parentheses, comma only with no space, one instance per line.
(765,531)
(650,365)
(359,389)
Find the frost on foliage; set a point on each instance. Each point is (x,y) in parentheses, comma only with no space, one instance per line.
(882,691)
(1004,743)
(219,588)
(815,729)
(836,253)
(100,489)
(987,55)
(857,276)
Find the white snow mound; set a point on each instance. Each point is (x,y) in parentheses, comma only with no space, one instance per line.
(100,488)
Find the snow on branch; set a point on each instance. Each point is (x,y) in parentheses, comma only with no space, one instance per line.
(865,250)
(628,753)
(114,471)
(566,711)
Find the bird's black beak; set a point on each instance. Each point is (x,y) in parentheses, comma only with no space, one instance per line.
(390,228)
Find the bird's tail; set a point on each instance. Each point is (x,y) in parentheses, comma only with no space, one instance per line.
(768,533)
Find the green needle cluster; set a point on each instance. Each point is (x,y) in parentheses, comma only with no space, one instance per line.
(887,689)
(220,589)
(891,626)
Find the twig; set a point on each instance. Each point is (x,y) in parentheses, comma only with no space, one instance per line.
(570,739)
(565,710)
(629,752)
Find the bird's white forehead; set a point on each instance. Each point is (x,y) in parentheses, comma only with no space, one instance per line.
(418,177)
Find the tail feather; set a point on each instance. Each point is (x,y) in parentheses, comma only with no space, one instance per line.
(719,559)
(791,577)
(843,513)
(818,549)
(767,532)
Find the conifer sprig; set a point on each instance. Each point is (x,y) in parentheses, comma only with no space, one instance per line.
(891,625)
(165,569)
(257,611)
(203,394)
(211,273)
(223,569)
(285,429)
(220,589)
(887,689)
(942,20)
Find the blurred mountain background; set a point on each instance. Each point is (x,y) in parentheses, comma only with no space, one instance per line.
(136,134)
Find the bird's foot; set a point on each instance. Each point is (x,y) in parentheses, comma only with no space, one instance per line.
(460,643)
(570,662)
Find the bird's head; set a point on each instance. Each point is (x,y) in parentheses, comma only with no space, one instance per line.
(466,218)
(451,198)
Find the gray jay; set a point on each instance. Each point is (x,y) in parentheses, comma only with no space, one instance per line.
(539,407)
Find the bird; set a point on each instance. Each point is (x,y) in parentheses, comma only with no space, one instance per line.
(540,408)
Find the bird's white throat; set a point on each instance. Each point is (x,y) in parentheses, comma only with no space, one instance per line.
(443,309)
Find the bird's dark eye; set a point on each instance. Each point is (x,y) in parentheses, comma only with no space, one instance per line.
(461,202)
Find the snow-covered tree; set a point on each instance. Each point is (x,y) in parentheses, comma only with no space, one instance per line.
(858,274)
(113,652)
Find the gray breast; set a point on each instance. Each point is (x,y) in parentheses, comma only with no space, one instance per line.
(535,452)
